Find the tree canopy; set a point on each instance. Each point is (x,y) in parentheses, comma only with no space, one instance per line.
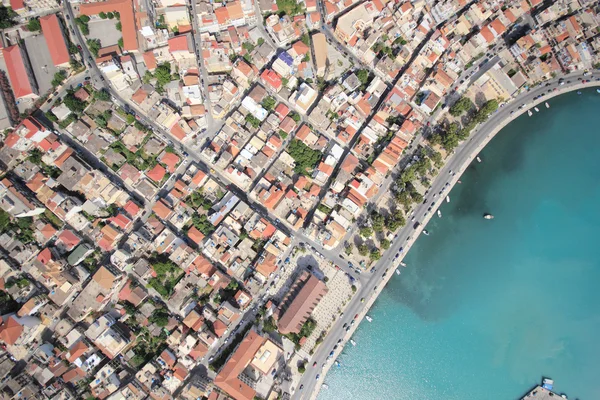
(33,25)
(463,104)
(305,157)
(7,17)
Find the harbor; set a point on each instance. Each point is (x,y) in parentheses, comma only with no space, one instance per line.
(543,392)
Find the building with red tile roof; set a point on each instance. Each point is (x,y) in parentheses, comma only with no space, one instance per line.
(55,39)
(68,239)
(271,79)
(10,331)
(228,378)
(178,43)
(299,303)
(157,173)
(19,71)
(170,160)
(17,5)
(195,235)
(162,209)
(150,60)
(127,18)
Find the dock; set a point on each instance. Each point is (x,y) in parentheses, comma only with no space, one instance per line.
(540,393)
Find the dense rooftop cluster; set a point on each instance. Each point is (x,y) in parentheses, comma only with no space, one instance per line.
(178,180)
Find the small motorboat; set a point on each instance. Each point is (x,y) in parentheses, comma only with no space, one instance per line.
(368,318)
(352,342)
(488,216)
(397,272)
(579,92)
(439,213)
(547,105)
(447,199)
(597,90)
(403,263)
(536,109)
(478,159)
(325,386)
(529,113)
(425,232)
(459,181)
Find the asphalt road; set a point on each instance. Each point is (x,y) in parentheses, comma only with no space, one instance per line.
(446,178)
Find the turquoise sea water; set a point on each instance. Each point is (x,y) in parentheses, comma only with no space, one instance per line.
(486,308)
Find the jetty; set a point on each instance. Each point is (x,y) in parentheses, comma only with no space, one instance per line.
(543,392)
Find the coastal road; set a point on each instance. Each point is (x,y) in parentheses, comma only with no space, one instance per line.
(447,177)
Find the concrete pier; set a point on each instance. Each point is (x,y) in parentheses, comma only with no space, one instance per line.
(539,393)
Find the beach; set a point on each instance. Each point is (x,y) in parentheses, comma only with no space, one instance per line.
(457,163)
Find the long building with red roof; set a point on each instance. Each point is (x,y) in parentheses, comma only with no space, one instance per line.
(55,39)
(19,71)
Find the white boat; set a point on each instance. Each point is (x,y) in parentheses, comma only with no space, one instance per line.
(598,90)
(352,342)
(439,213)
(529,113)
(425,232)
(403,263)
(368,318)
(325,386)
(447,199)
(488,216)
(478,159)
(547,105)
(536,109)
(397,272)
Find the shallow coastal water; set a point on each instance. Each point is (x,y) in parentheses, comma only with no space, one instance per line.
(486,308)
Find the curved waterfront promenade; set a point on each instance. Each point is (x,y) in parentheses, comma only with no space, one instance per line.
(457,163)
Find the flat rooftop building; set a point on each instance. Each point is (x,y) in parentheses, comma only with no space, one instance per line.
(299,303)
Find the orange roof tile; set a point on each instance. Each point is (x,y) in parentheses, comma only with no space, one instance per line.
(157,173)
(17,73)
(55,39)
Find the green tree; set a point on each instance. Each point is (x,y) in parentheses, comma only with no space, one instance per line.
(377,221)
(305,39)
(463,104)
(363,249)
(94,45)
(348,249)
(366,232)
(74,104)
(295,116)
(110,15)
(159,317)
(82,23)
(33,25)
(120,42)
(305,157)
(118,26)
(4,220)
(252,120)
(385,244)
(163,74)
(73,49)
(7,17)
(102,15)
(74,64)
(59,78)
(375,255)
(102,95)
(147,77)
(269,103)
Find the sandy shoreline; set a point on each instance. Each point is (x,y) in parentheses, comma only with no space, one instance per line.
(370,300)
